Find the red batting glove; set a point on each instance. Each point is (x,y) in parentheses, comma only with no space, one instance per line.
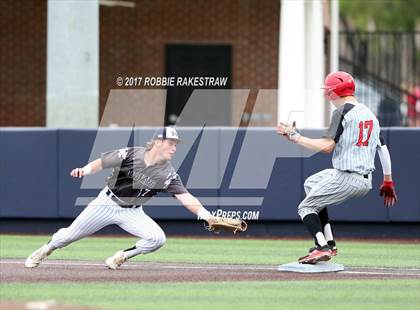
(387,190)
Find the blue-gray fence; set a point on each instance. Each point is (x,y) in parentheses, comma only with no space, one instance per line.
(228,169)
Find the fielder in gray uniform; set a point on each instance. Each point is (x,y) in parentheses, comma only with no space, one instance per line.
(354,138)
(138,174)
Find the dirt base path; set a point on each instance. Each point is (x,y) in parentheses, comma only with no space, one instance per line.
(13,270)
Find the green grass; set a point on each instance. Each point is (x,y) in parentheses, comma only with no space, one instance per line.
(337,294)
(370,294)
(239,251)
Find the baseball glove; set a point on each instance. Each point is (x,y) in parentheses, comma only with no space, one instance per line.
(223,223)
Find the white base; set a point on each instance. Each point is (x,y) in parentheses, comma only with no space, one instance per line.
(307,268)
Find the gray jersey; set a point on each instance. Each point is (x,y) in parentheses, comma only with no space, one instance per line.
(133,181)
(356,132)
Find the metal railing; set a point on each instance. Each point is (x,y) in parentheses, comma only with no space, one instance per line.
(386,66)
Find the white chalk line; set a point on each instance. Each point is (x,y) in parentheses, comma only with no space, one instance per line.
(415,272)
(381,273)
(147,265)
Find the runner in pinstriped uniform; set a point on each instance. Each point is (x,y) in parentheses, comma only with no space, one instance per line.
(138,174)
(354,136)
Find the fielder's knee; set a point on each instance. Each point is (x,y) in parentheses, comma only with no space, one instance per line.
(160,241)
(153,243)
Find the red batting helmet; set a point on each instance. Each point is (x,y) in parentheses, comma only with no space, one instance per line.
(338,84)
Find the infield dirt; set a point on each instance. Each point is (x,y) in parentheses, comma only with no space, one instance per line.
(13,270)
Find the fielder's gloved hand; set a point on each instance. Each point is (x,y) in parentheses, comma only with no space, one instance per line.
(215,224)
(387,190)
(289,131)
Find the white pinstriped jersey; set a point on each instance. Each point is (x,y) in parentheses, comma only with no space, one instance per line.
(356,132)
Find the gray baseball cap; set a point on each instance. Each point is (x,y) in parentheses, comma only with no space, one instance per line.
(167,133)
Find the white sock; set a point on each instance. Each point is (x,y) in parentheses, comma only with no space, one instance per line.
(328,232)
(49,248)
(321,239)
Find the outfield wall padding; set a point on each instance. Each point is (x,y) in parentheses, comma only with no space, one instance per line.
(251,170)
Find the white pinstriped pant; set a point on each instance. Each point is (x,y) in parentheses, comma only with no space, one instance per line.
(331,187)
(102,212)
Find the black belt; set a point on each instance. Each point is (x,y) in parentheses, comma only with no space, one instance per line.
(118,201)
(366,176)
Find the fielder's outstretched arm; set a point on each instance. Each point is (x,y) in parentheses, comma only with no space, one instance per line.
(194,205)
(91,168)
